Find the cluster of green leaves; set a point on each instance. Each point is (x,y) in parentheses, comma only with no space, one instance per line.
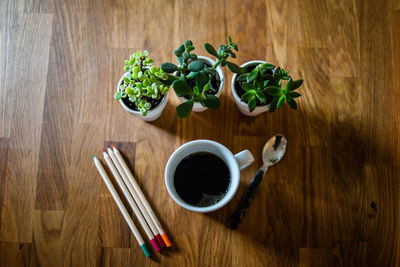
(265,83)
(191,68)
(142,81)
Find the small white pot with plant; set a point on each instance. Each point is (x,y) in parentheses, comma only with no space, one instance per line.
(258,87)
(143,89)
(217,81)
(198,81)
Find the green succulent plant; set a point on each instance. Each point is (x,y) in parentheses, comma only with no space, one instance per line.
(190,68)
(264,84)
(142,83)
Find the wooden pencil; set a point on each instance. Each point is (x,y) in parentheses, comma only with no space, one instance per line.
(142,197)
(121,206)
(135,196)
(131,201)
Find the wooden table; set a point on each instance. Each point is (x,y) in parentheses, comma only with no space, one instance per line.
(333,200)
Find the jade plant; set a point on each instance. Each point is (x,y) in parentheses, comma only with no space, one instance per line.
(265,84)
(143,84)
(193,78)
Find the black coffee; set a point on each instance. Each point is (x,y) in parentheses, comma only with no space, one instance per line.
(202,179)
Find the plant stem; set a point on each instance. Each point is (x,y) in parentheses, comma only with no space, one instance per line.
(216,64)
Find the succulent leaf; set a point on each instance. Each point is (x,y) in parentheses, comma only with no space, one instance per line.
(273,90)
(192,74)
(212,101)
(280,101)
(185,108)
(243,77)
(246,96)
(196,65)
(291,102)
(181,87)
(169,67)
(210,49)
(252,103)
(293,94)
(118,95)
(296,84)
(252,75)
(233,67)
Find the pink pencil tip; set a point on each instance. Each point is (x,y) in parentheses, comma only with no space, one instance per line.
(155,244)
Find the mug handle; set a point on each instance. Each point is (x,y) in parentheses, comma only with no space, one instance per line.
(244,159)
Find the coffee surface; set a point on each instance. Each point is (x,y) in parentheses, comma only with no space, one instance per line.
(202,179)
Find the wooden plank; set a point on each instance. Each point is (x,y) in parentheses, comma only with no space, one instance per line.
(20,182)
(394,25)
(39,6)
(351,253)
(380,206)
(16,254)
(344,39)
(283,29)
(122,22)
(57,126)
(381,148)
(393,5)
(316,257)
(46,237)
(286,218)
(317,173)
(314,26)
(9,12)
(3,167)
(121,256)
(59,114)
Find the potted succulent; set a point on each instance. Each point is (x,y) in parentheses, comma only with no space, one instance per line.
(143,89)
(197,80)
(259,86)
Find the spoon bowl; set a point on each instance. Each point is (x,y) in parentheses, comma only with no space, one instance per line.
(273,150)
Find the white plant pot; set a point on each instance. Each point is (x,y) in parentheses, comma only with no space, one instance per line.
(243,105)
(197,107)
(152,114)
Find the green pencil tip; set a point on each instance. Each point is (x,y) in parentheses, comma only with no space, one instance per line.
(146,250)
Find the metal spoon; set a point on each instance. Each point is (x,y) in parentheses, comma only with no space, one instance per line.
(273,151)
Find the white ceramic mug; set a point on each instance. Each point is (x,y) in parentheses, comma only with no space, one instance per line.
(235,163)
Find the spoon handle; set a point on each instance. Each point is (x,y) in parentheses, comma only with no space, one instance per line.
(244,203)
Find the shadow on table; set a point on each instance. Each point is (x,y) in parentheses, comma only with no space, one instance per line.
(221,125)
(316,188)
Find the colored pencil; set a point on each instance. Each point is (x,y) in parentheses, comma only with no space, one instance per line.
(121,206)
(135,196)
(142,197)
(131,201)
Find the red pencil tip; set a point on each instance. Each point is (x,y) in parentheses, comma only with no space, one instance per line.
(113,146)
(103,151)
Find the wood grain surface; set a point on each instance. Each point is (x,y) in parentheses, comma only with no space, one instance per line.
(332,201)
